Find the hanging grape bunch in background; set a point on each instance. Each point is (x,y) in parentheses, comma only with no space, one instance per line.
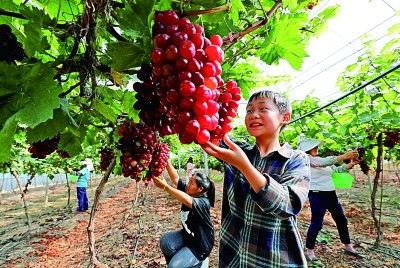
(182,90)
(10,48)
(158,162)
(43,148)
(106,156)
(392,137)
(137,144)
(363,165)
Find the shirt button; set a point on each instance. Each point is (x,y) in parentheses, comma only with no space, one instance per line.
(248,223)
(258,168)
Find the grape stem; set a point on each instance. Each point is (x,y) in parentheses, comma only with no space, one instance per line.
(207,11)
(232,38)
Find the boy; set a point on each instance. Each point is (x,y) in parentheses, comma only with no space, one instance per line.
(265,187)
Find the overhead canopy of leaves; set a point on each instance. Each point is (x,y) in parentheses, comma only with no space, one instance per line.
(79,62)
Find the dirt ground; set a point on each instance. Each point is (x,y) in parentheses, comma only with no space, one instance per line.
(127,233)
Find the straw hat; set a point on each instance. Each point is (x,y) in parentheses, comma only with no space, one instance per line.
(306,144)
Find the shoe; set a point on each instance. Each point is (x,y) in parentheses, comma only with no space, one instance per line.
(78,212)
(353,253)
(314,262)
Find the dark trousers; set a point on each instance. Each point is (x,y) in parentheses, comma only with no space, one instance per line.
(83,203)
(320,201)
(177,254)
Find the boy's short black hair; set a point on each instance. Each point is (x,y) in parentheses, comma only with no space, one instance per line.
(280,100)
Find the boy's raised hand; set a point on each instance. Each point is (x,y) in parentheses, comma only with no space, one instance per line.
(234,155)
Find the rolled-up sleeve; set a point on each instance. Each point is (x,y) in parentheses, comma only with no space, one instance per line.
(340,169)
(285,198)
(316,161)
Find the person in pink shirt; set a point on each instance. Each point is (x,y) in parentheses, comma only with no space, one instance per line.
(189,167)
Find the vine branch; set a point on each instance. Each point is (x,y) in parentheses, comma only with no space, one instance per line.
(232,38)
(114,33)
(90,229)
(207,11)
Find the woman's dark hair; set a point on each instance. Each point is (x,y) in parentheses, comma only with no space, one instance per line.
(204,181)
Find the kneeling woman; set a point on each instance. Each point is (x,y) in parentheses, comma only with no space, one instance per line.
(190,246)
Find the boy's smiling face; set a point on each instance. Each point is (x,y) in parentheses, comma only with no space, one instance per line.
(263,118)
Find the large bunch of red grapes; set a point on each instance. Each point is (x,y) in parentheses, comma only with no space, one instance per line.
(137,142)
(106,156)
(10,48)
(158,162)
(363,165)
(182,90)
(392,137)
(43,148)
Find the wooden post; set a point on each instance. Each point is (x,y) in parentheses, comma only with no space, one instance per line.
(46,196)
(21,191)
(375,189)
(1,186)
(68,192)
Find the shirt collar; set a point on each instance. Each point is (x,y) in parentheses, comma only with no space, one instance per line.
(285,150)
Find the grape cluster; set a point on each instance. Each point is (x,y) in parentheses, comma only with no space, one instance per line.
(106,156)
(392,138)
(136,144)
(182,90)
(10,48)
(363,165)
(43,148)
(63,154)
(158,162)
(312,4)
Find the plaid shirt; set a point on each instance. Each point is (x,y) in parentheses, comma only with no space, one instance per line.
(260,229)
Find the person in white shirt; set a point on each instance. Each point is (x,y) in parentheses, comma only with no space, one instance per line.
(322,194)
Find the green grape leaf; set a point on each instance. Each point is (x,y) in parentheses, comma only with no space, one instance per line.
(8,5)
(285,41)
(163,5)
(6,138)
(65,9)
(394,29)
(134,18)
(329,12)
(105,110)
(35,93)
(237,6)
(291,4)
(34,40)
(70,143)
(37,15)
(65,109)
(48,129)
(125,55)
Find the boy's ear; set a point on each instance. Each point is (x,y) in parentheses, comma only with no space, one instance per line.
(286,117)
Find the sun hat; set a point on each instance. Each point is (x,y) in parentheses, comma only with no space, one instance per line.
(87,161)
(306,144)
(89,164)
